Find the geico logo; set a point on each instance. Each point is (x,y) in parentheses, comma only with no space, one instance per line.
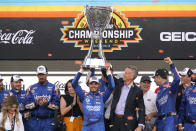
(178,36)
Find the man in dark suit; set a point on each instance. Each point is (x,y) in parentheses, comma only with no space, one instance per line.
(127,102)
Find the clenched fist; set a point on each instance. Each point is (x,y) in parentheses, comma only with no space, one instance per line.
(168,60)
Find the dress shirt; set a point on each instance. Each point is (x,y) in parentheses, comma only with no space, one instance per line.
(120,108)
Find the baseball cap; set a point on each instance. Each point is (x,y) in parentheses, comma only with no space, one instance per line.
(186,71)
(15,78)
(145,78)
(194,71)
(42,69)
(1,78)
(161,72)
(94,79)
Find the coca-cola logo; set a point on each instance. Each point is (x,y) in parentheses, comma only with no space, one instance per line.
(19,37)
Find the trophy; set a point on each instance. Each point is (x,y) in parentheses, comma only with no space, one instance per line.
(98,17)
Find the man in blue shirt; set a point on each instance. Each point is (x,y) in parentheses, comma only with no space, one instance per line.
(193,76)
(42,99)
(16,81)
(166,98)
(102,88)
(185,78)
(187,114)
(93,102)
(3,92)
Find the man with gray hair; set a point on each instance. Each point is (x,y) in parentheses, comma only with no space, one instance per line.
(128,98)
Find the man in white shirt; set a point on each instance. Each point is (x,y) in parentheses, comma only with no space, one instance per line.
(149,102)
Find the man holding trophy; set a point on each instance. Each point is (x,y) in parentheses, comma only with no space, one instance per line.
(93,101)
(98,18)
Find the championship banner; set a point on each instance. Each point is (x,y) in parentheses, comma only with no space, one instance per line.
(134,32)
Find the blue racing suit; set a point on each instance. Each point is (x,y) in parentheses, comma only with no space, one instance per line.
(187,114)
(103,85)
(93,105)
(3,94)
(20,95)
(42,117)
(165,102)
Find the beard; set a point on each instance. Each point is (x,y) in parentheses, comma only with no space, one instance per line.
(42,81)
(193,79)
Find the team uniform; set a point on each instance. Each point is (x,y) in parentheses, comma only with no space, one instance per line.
(187,115)
(107,108)
(42,117)
(20,95)
(165,102)
(3,94)
(93,105)
(103,86)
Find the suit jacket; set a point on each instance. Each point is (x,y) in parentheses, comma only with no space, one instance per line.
(134,101)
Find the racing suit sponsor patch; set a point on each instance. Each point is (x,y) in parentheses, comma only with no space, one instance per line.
(93,108)
(163,100)
(192,100)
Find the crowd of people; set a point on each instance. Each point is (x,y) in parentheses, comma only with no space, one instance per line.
(112,104)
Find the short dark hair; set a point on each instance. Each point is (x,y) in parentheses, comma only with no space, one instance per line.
(163,73)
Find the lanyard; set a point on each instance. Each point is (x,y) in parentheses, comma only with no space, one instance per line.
(13,123)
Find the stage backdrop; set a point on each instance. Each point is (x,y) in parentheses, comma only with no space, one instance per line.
(154,29)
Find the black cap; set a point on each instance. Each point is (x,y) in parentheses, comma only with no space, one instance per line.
(163,73)
(145,78)
(189,73)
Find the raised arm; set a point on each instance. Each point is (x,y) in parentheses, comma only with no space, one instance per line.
(76,86)
(176,80)
(90,74)
(111,86)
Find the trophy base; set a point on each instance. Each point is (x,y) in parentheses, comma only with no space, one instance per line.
(94,63)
